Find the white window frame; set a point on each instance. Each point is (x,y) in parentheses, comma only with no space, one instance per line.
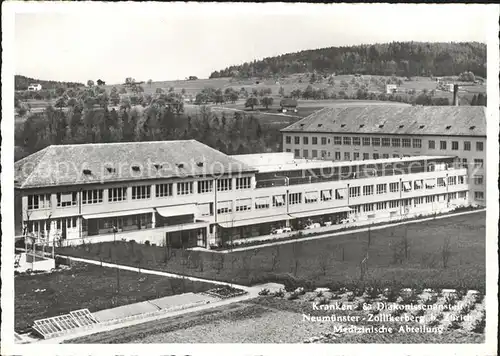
(205,186)
(243,183)
(141,192)
(117,194)
(224,184)
(164,190)
(92,196)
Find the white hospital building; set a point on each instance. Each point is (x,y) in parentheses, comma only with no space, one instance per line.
(357,133)
(186,194)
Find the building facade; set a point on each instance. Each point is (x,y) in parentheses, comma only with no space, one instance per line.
(193,196)
(381,132)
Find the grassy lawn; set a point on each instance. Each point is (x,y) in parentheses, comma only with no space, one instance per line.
(331,261)
(89,286)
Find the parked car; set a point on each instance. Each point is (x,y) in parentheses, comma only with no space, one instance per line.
(313,226)
(281,230)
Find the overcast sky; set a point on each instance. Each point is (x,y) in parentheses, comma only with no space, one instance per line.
(81,41)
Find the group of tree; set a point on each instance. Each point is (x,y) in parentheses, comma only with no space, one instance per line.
(478,100)
(217,96)
(467,77)
(153,120)
(22,83)
(397,58)
(252,101)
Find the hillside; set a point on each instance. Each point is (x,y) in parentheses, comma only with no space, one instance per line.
(21,83)
(397,58)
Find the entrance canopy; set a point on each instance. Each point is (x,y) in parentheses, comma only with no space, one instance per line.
(184,227)
(262,220)
(112,214)
(305,214)
(177,210)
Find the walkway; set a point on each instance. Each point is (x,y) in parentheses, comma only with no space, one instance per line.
(327,235)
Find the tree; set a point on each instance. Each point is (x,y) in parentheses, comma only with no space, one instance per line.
(59,91)
(308,93)
(251,102)
(258,131)
(233,96)
(323,261)
(313,78)
(129,81)
(275,258)
(114,97)
(90,83)
(474,100)
(60,102)
(22,110)
(282,91)
(446,251)
(266,101)
(296,256)
(296,94)
(481,100)
(467,77)
(125,104)
(219,97)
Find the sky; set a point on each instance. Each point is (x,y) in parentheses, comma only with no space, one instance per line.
(169,41)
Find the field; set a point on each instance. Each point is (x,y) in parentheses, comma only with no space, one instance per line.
(82,286)
(289,83)
(334,260)
(274,320)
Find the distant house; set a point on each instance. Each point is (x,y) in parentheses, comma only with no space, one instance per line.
(391,88)
(35,87)
(449,87)
(288,104)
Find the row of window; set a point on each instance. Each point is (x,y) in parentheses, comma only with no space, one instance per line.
(415,202)
(42,201)
(95,196)
(279,200)
(36,226)
(407,186)
(356,156)
(226,207)
(384,142)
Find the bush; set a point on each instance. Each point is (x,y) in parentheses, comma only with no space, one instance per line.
(373,292)
(62,261)
(264,291)
(280,293)
(391,294)
(147,243)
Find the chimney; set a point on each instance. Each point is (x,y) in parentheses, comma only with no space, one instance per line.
(455,94)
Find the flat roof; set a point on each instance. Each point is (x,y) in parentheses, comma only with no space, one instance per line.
(259,159)
(301,164)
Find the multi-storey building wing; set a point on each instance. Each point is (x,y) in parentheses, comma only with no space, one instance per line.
(385,131)
(184,193)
